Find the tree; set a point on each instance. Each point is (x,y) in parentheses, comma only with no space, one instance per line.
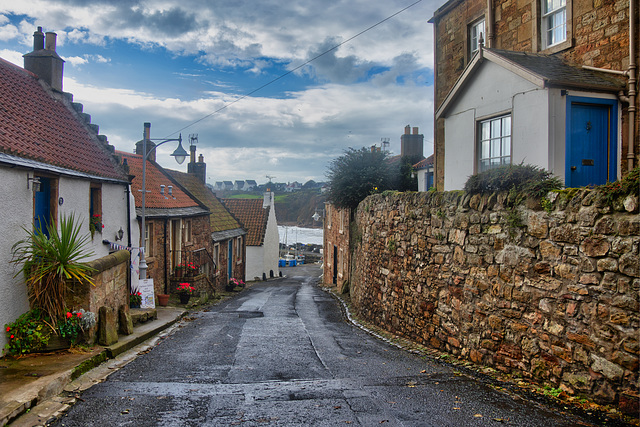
(356,174)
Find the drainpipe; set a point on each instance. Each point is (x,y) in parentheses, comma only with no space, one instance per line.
(630,73)
(166,266)
(489,28)
(632,83)
(127,194)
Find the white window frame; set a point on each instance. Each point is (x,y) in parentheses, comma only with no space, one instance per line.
(499,131)
(553,33)
(216,257)
(239,249)
(474,35)
(148,240)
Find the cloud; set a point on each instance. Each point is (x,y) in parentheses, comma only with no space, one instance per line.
(257,136)
(12,56)
(78,61)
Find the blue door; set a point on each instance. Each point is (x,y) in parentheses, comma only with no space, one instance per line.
(42,206)
(230,260)
(591,142)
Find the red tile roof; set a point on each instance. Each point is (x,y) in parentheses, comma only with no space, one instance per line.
(252,215)
(39,125)
(155,176)
(424,163)
(220,219)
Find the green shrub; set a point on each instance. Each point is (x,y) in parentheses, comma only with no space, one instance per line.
(529,179)
(30,332)
(629,184)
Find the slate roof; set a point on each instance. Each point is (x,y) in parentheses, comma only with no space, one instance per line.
(180,203)
(557,72)
(41,125)
(221,219)
(539,69)
(252,216)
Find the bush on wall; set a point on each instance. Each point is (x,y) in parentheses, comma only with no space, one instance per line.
(529,179)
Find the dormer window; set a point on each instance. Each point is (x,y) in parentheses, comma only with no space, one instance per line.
(554,22)
(476,33)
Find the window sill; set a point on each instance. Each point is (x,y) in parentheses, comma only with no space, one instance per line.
(558,47)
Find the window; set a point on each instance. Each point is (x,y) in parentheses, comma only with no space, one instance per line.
(554,22)
(239,248)
(476,32)
(187,236)
(329,216)
(494,147)
(341,221)
(216,256)
(148,239)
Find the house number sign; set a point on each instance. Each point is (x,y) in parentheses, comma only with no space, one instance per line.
(60,201)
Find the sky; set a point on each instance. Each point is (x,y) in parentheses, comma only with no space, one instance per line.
(271,88)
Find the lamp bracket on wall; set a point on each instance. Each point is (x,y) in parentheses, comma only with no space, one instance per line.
(35,183)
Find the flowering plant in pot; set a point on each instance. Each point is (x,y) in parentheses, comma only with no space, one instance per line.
(135,298)
(184,291)
(233,282)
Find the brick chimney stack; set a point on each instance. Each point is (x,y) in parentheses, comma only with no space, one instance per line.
(44,61)
(150,145)
(411,144)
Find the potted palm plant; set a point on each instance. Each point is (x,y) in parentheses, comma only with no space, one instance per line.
(49,263)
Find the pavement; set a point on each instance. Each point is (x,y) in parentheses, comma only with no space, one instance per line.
(39,379)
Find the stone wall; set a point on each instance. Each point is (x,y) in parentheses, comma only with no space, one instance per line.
(110,288)
(551,295)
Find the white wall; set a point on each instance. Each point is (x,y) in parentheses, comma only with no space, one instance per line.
(254,263)
(271,244)
(538,122)
(492,91)
(16,212)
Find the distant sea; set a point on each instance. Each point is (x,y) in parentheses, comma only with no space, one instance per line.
(292,235)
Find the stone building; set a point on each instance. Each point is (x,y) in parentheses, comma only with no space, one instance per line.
(177,231)
(337,255)
(53,163)
(515,70)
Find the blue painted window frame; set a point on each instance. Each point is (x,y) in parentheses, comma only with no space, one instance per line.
(613,134)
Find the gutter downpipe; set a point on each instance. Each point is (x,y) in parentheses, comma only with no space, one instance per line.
(127,193)
(630,73)
(632,83)
(489,28)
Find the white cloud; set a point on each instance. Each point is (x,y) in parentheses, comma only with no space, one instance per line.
(12,56)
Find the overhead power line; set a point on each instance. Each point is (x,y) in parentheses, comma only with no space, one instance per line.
(228,104)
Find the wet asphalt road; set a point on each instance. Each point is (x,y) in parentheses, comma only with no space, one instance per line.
(281,353)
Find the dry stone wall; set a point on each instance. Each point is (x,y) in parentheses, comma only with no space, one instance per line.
(552,295)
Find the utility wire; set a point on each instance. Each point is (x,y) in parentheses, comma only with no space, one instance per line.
(246,95)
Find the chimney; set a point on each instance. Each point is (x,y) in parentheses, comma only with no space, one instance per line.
(268,199)
(199,168)
(146,134)
(411,144)
(44,61)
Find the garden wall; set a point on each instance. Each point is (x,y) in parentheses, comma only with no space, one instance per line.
(551,295)
(110,285)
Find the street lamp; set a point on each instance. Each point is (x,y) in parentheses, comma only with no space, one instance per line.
(180,155)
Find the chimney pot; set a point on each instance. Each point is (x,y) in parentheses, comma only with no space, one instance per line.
(38,39)
(161,188)
(50,42)
(407,130)
(200,158)
(415,130)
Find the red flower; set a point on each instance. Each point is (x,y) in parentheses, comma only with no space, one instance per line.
(69,315)
(8,328)
(79,314)
(11,337)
